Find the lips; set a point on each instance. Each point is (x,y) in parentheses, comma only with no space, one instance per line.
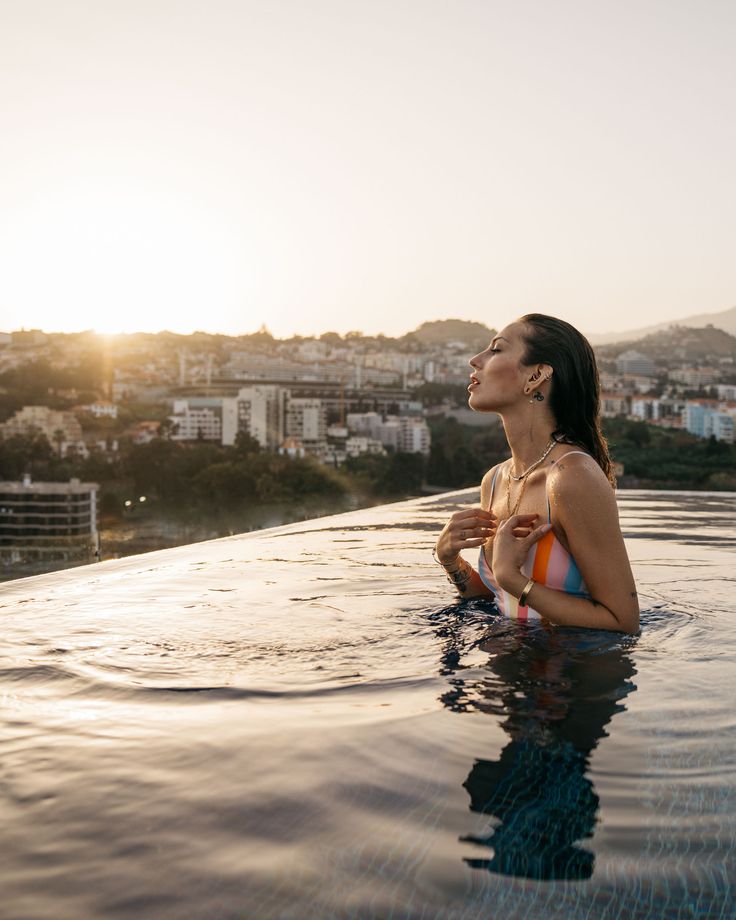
(474,382)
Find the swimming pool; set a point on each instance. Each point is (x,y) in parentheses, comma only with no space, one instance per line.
(302,723)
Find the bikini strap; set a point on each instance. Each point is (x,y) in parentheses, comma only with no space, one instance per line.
(493,485)
(585,452)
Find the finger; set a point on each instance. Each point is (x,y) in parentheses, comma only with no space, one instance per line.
(472,533)
(517,519)
(537,534)
(479,513)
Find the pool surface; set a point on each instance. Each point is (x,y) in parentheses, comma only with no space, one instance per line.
(303,723)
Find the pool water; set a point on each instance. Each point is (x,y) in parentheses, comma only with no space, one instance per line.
(303,723)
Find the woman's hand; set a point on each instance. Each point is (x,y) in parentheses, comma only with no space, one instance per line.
(464,530)
(515,536)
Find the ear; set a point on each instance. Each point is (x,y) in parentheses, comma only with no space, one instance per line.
(538,377)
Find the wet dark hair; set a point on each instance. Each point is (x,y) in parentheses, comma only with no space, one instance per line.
(575,388)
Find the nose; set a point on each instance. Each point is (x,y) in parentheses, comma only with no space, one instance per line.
(475,361)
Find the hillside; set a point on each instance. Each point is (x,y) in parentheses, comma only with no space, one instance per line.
(679,343)
(726,320)
(438,332)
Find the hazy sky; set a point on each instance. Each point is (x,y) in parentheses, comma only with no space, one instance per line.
(335,164)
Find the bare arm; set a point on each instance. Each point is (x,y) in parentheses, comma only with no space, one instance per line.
(584,506)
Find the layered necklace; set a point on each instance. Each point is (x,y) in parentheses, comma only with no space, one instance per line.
(522,479)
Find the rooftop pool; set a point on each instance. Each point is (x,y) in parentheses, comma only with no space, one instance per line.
(303,723)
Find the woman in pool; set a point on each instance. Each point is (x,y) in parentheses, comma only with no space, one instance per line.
(550,544)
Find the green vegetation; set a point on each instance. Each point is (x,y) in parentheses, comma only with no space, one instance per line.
(663,458)
(204,477)
(39,383)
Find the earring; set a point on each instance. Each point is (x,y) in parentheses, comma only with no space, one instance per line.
(538,396)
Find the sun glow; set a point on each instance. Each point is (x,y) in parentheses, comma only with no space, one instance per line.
(116,257)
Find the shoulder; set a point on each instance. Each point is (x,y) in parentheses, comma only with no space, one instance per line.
(489,476)
(486,484)
(577,482)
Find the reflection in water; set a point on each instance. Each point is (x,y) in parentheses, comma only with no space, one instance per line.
(555,691)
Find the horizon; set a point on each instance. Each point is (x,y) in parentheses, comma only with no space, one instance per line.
(367,334)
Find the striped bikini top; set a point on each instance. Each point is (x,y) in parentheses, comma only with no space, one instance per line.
(548,563)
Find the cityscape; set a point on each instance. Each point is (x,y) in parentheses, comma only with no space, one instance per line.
(87,420)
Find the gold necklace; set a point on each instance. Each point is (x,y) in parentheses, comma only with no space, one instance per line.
(534,465)
(523,479)
(508,495)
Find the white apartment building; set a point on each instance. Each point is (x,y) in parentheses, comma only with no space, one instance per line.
(197,422)
(414,435)
(259,410)
(695,376)
(726,391)
(653,409)
(306,419)
(634,363)
(368,423)
(358,444)
(405,433)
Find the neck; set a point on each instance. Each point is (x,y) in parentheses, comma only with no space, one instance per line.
(528,433)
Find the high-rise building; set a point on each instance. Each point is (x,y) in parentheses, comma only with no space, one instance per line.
(306,419)
(41,521)
(258,410)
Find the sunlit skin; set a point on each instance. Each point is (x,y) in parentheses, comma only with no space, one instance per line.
(583,505)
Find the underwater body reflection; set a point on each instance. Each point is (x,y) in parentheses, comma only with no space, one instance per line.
(555,691)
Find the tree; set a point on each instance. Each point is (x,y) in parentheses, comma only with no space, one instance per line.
(245,444)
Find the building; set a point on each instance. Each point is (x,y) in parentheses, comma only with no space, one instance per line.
(695,376)
(197,420)
(145,431)
(102,409)
(292,447)
(45,521)
(414,435)
(404,433)
(719,425)
(61,429)
(359,444)
(634,363)
(614,404)
(258,410)
(365,423)
(705,421)
(306,420)
(693,418)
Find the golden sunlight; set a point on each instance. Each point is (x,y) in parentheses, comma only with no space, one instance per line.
(117,257)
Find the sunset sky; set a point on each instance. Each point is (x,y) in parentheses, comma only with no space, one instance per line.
(335,164)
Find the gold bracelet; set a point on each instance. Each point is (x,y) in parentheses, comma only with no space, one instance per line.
(437,560)
(525,593)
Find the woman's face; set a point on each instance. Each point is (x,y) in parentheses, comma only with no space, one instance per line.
(499,376)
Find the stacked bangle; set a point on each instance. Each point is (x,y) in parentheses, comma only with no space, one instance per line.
(458,577)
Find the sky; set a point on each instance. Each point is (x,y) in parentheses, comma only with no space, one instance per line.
(369,165)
